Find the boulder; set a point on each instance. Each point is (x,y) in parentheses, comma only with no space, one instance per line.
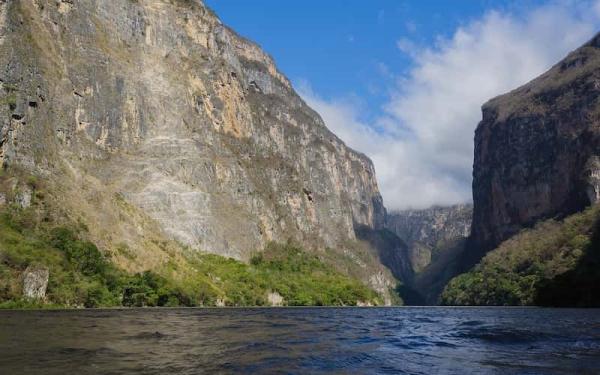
(35,282)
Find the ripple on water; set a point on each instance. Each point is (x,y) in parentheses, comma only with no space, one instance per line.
(396,340)
(425,320)
(471,323)
(501,335)
(148,336)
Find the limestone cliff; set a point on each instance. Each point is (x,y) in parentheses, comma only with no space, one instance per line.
(429,231)
(435,241)
(152,120)
(537,150)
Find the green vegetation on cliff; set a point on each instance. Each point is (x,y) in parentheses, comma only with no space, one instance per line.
(555,263)
(80,275)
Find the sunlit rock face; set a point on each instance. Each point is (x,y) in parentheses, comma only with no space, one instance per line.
(537,150)
(152,116)
(35,282)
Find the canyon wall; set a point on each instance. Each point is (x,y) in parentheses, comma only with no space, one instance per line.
(152,116)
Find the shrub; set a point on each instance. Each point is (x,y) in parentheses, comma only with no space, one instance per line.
(82,254)
(516,272)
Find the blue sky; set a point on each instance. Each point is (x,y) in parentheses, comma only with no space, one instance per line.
(348,48)
(403,81)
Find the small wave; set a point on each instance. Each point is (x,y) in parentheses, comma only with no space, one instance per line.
(282,325)
(356,359)
(425,320)
(86,352)
(148,336)
(410,342)
(471,323)
(501,335)
(587,344)
(444,344)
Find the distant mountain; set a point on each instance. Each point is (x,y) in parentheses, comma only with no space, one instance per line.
(429,231)
(435,240)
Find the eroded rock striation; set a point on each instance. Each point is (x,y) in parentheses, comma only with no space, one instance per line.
(152,116)
(537,150)
(427,232)
(35,282)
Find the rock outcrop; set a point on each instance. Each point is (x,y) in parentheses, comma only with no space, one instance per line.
(537,150)
(152,116)
(35,282)
(429,231)
(435,241)
(391,251)
(275,299)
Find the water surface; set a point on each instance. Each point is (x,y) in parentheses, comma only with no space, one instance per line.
(303,340)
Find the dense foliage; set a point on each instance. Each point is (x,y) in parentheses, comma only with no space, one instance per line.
(550,264)
(82,276)
(297,276)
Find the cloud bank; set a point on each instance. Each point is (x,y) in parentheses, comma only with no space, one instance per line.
(422,144)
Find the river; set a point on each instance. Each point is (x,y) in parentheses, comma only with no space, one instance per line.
(431,340)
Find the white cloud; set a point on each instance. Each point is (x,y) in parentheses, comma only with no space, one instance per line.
(422,145)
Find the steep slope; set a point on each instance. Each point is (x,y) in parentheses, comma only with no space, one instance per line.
(537,150)
(150,120)
(435,242)
(45,262)
(555,263)
(537,157)
(428,232)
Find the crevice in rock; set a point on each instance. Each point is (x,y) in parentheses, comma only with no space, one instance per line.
(308,194)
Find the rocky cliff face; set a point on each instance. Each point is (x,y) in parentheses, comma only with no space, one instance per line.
(154,115)
(428,231)
(537,150)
